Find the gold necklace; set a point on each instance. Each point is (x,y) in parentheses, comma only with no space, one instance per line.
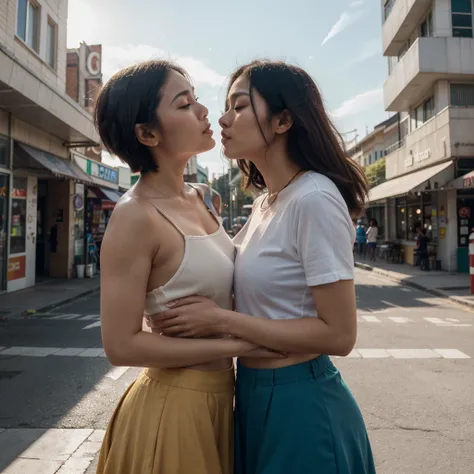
(159,191)
(277,194)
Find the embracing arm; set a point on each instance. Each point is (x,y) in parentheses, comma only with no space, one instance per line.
(323,235)
(126,257)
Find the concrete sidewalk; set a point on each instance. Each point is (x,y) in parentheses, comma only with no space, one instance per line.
(45,296)
(454,286)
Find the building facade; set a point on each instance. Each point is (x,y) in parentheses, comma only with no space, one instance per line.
(429,46)
(39,125)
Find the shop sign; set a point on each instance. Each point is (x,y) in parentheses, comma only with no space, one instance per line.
(78,202)
(102,172)
(417,158)
(16,268)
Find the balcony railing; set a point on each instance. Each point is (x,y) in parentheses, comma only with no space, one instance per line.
(387,9)
(395,146)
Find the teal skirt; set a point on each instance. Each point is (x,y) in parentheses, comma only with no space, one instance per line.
(300,419)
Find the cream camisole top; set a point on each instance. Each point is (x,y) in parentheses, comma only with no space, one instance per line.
(207,269)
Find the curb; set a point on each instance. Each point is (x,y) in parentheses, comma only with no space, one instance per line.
(440,293)
(51,306)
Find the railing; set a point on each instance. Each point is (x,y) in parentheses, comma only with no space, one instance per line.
(395,146)
(387,9)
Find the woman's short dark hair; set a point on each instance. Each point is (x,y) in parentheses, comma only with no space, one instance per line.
(313,141)
(131,97)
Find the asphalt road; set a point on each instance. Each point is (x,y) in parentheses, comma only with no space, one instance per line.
(412,374)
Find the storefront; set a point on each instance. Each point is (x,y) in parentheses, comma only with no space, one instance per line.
(40,216)
(100,198)
(414,200)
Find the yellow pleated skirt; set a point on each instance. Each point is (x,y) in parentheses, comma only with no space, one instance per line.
(177,421)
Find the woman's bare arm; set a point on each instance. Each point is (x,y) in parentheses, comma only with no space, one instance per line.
(126,257)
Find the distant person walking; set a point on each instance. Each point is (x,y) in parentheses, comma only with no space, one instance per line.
(361,238)
(372,234)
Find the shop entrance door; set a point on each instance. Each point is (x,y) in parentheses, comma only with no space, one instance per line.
(42,249)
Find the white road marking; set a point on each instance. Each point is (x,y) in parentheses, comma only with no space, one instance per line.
(373,353)
(394,305)
(70,351)
(436,321)
(91,353)
(407,290)
(93,325)
(116,372)
(90,317)
(371,319)
(30,351)
(413,353)
(65,316)
(452,354)
(453,320)
(399,319)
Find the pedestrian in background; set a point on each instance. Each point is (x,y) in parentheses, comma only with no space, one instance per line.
(372,234)
(294,281)
(361,238)
(163,243)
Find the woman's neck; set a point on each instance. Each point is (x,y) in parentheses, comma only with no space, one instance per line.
(277,170)
(167,180)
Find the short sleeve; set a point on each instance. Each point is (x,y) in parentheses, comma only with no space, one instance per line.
(324,238)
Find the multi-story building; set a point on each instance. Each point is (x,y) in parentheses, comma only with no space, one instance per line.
(430,49)
(41,188)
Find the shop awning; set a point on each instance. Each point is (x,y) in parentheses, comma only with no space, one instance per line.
(111,195)
(29,158)
(413,182)
(463,182)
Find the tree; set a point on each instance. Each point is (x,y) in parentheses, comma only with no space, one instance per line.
(375,173)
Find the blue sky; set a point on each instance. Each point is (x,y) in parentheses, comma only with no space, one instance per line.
(338,42)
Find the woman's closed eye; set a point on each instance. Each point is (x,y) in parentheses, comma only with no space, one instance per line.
(188,105)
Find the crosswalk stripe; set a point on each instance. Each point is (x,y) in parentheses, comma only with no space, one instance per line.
(93,325)
(371,319)
(65,316)
(90,317)
(398,319)
(363,353)
(116,372)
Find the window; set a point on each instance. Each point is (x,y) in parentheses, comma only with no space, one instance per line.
(424,112)
(462,95)
(428,109)
(51,43)
(387,8)
(28,23)
(426,28)
(461,18)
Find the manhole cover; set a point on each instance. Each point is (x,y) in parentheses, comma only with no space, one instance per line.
(9,374)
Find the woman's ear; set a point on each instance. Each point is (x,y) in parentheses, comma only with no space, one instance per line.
(146,136)
(285,122)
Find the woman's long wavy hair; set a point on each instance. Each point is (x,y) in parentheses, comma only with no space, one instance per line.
(313,141)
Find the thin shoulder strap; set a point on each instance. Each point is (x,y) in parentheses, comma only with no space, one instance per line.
(206,198)
(168,218)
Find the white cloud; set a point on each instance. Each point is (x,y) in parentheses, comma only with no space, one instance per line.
(360,103)
(369,49)
(115,58)
(346,19)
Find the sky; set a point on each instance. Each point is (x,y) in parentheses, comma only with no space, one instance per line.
(338,42)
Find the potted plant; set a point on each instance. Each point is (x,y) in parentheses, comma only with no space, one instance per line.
(80,267)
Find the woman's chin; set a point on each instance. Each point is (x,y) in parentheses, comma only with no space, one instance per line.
(208,145)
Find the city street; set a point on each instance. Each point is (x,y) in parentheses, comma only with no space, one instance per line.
(412,373)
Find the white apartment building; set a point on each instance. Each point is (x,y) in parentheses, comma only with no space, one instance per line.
(430,49)
(41,189)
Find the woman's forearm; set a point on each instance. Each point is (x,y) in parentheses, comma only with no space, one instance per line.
(303,335)
(146,349)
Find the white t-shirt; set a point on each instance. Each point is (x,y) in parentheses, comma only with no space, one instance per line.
(304,239)
(372,234)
